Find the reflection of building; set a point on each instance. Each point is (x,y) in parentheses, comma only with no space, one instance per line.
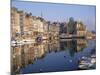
(27,54)
(73,46)
(39,50)
(16,59)
(81,44)
(53,46)
(23,55)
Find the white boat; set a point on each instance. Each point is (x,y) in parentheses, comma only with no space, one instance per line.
(87,62)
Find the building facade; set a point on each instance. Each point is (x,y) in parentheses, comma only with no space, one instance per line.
(54,30)
(81,29)
(15,23)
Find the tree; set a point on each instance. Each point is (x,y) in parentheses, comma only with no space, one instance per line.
(71,28)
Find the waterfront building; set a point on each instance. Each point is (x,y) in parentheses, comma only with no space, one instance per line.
(21,19)
(42,27)
(24,26)
(76,28)
(15,23)
(54,30)
(63,28)
(28,27)
(81,29)
(37,27)
(45,30)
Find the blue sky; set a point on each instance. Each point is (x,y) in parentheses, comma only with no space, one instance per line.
(60,12)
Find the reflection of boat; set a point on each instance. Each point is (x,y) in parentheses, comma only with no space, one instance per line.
(39,39)
(14,43)
(24,41)
(87,62)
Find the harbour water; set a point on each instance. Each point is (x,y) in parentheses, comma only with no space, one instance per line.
(52,56)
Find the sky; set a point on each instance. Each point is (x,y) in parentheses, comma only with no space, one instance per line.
(60,12)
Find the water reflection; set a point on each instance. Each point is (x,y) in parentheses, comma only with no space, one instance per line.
(73,45)
(23,55)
